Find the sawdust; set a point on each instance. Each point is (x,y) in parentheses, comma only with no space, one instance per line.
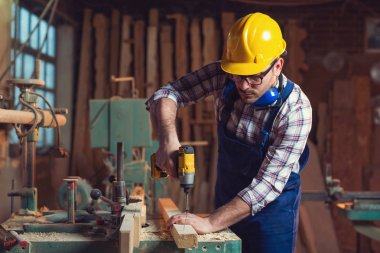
(157,231)
(53,236)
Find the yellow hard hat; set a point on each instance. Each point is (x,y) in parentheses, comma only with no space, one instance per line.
(253,43)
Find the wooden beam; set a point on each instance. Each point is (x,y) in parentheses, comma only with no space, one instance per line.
(114,49)
(228,18)
(130,229)
(139,56)
(211,41)
(81,152)
(152,56)
(101,26)
(5,42)
(125,56)
(184,235)
(166,50)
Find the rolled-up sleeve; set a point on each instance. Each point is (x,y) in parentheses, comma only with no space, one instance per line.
(193,86)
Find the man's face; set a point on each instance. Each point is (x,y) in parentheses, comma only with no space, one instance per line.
(250,91)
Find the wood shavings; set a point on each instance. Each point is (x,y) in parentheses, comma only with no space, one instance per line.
(53,236)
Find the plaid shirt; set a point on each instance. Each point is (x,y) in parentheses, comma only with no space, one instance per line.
(288,137)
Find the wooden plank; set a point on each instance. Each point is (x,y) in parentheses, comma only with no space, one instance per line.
(81,155)
(344,155)
(181,65)
(296,55)
(139,56)
(166,54)
(152,56)
(5,42)
(322,130)
(228,18)
(315,217)
(101,26)
(125,56)
(114,48)
(130,229)
(211,41)
(184,235)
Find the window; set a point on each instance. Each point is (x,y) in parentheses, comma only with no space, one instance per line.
(24,65)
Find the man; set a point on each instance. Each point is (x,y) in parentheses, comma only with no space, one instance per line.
(263,123)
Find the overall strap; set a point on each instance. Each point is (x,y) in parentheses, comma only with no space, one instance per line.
(230,95)
(264,133)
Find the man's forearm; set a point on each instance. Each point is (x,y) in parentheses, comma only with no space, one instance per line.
(163,114)
(229,214)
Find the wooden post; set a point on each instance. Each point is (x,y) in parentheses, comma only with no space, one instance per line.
(125,56)
(139,56)
(81,153)
(114,49)
(181,57)
(228,18)
(102,78)
(294,36)
(211,41)
(152,57)
(184,235)
(5,42)
(344,153)
(166,49)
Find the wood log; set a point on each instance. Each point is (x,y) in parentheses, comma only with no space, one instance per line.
(125,56)
(101,26)
(184,235)
(81,153)
(139,56)
(114,48)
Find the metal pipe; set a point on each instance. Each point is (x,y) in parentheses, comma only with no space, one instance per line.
(71,199)
(119,160)
(31,163)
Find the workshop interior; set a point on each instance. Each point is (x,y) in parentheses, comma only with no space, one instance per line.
(77,147)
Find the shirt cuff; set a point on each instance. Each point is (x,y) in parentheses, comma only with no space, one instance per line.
(248,197)
(157,96)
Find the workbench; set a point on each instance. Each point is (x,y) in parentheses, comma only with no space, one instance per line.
(80,238)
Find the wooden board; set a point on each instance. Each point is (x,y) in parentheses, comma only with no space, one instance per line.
(124,89)
(114,48)
(81,153)
(5,42)
(228,18)
(166,56)
(130,229)
(211,41)
(315,217)
(101,26)
(139,56)
(184,235)
(152,55)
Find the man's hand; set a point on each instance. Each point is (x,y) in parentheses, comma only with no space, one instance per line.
(223,217)
(167,157)
(201,225)
(163,114)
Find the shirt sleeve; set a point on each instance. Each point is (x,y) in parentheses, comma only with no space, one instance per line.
(193,86)
(291,135)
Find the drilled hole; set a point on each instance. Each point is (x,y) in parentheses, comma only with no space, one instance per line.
(204,248)
(218,247)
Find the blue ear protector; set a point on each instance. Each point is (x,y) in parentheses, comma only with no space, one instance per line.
(267,100)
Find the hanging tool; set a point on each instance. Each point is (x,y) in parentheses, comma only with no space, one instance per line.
(185,170)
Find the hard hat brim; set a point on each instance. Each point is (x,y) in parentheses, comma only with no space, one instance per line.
(243,69)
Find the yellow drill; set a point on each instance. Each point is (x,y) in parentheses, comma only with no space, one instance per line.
(185,170)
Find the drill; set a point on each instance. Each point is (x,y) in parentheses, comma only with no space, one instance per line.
(185,170)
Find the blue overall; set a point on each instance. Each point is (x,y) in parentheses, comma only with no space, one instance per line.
(274,228)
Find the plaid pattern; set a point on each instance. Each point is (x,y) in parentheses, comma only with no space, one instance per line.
(287,139)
